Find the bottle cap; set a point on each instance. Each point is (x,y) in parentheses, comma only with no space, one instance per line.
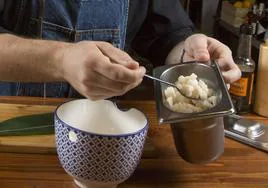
(246,29)
(261,6)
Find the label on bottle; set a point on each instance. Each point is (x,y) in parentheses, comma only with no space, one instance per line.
(239,88)
(241,92)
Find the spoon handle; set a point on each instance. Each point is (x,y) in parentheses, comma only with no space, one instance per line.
(154,78)
(173,85)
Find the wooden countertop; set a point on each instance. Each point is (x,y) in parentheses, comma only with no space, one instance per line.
(239,166)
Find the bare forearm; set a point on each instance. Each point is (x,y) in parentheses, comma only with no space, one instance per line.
(29,60)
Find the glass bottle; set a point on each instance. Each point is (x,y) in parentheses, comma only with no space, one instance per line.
(253,17)
(241,90)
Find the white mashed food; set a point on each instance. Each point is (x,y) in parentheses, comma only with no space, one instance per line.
(192,87)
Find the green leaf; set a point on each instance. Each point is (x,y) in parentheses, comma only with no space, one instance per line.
(38,124)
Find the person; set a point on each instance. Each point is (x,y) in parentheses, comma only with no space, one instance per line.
(81,47)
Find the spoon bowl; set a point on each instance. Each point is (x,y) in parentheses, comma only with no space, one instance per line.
(172,85)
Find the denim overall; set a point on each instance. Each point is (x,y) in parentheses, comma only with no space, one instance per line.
(71,21)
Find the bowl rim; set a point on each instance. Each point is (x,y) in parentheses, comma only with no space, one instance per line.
(144,128)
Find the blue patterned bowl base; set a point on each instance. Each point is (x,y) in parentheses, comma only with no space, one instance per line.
(91,184)
(98,158)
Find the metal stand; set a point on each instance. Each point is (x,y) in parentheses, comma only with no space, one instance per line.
(246,131)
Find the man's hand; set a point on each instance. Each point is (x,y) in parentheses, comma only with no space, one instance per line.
(202,48)
(98,70)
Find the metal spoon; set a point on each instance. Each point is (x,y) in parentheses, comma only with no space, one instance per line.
(173,85)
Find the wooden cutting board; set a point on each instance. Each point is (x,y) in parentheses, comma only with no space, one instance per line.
(36,143)
(26,144)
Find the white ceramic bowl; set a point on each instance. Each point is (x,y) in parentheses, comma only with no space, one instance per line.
(97,144)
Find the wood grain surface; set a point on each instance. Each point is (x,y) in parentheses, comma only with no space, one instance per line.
(239,166)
